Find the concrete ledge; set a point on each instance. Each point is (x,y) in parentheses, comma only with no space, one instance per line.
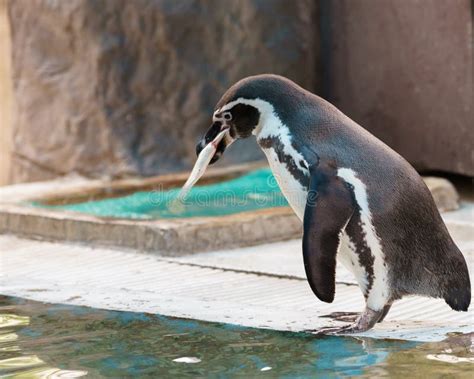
(166,237)
(444,194)
(170,237)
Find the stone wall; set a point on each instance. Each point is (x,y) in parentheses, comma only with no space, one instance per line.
(120,88)
(404,70)
(5,95)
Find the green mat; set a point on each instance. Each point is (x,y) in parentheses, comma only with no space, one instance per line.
(252,191)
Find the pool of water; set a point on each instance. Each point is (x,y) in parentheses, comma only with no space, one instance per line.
(255,190)
(48,341)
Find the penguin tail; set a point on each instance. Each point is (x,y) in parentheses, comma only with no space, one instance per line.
(457,293)
(458,299)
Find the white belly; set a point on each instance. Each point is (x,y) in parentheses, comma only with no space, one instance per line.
(349,258)
(294,192)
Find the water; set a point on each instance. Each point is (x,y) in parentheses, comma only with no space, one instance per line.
(49,341)
(256,190)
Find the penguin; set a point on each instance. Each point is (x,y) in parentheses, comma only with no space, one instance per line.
(359,201)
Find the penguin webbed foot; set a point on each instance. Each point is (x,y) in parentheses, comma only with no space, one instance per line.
(343,316)
(365,321)
(336,330)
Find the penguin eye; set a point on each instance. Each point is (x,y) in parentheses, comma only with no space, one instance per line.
(227,116)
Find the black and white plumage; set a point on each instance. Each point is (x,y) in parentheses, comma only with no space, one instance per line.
(360,201)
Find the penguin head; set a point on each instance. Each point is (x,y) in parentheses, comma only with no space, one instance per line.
(243,106)
(238,119)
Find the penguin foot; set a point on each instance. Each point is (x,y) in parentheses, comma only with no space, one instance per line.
(336,330)
(343,316)
(365,321)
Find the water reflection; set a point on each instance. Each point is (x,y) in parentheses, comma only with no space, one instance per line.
(19,365)
(454,358)
(59,341)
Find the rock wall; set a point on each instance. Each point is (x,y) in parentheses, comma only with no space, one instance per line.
(5,95)
(120,88)
(404,70)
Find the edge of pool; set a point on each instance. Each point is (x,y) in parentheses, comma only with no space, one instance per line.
(171,237)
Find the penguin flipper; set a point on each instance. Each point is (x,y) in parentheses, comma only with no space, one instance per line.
(329,207)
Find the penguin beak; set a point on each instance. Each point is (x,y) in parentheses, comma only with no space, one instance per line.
(212,133)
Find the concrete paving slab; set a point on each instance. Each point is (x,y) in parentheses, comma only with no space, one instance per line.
(110,279)
(281,259)
(464,214)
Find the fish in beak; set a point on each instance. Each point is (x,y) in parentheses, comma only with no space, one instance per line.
(209,149)
(216,128)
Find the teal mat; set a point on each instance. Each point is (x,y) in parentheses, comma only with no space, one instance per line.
(256,190)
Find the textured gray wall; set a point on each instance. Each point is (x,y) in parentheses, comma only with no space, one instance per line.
(118,88)
(404,70)
(125,87)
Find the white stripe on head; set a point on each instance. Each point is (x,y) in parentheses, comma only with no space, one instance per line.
(264,107)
